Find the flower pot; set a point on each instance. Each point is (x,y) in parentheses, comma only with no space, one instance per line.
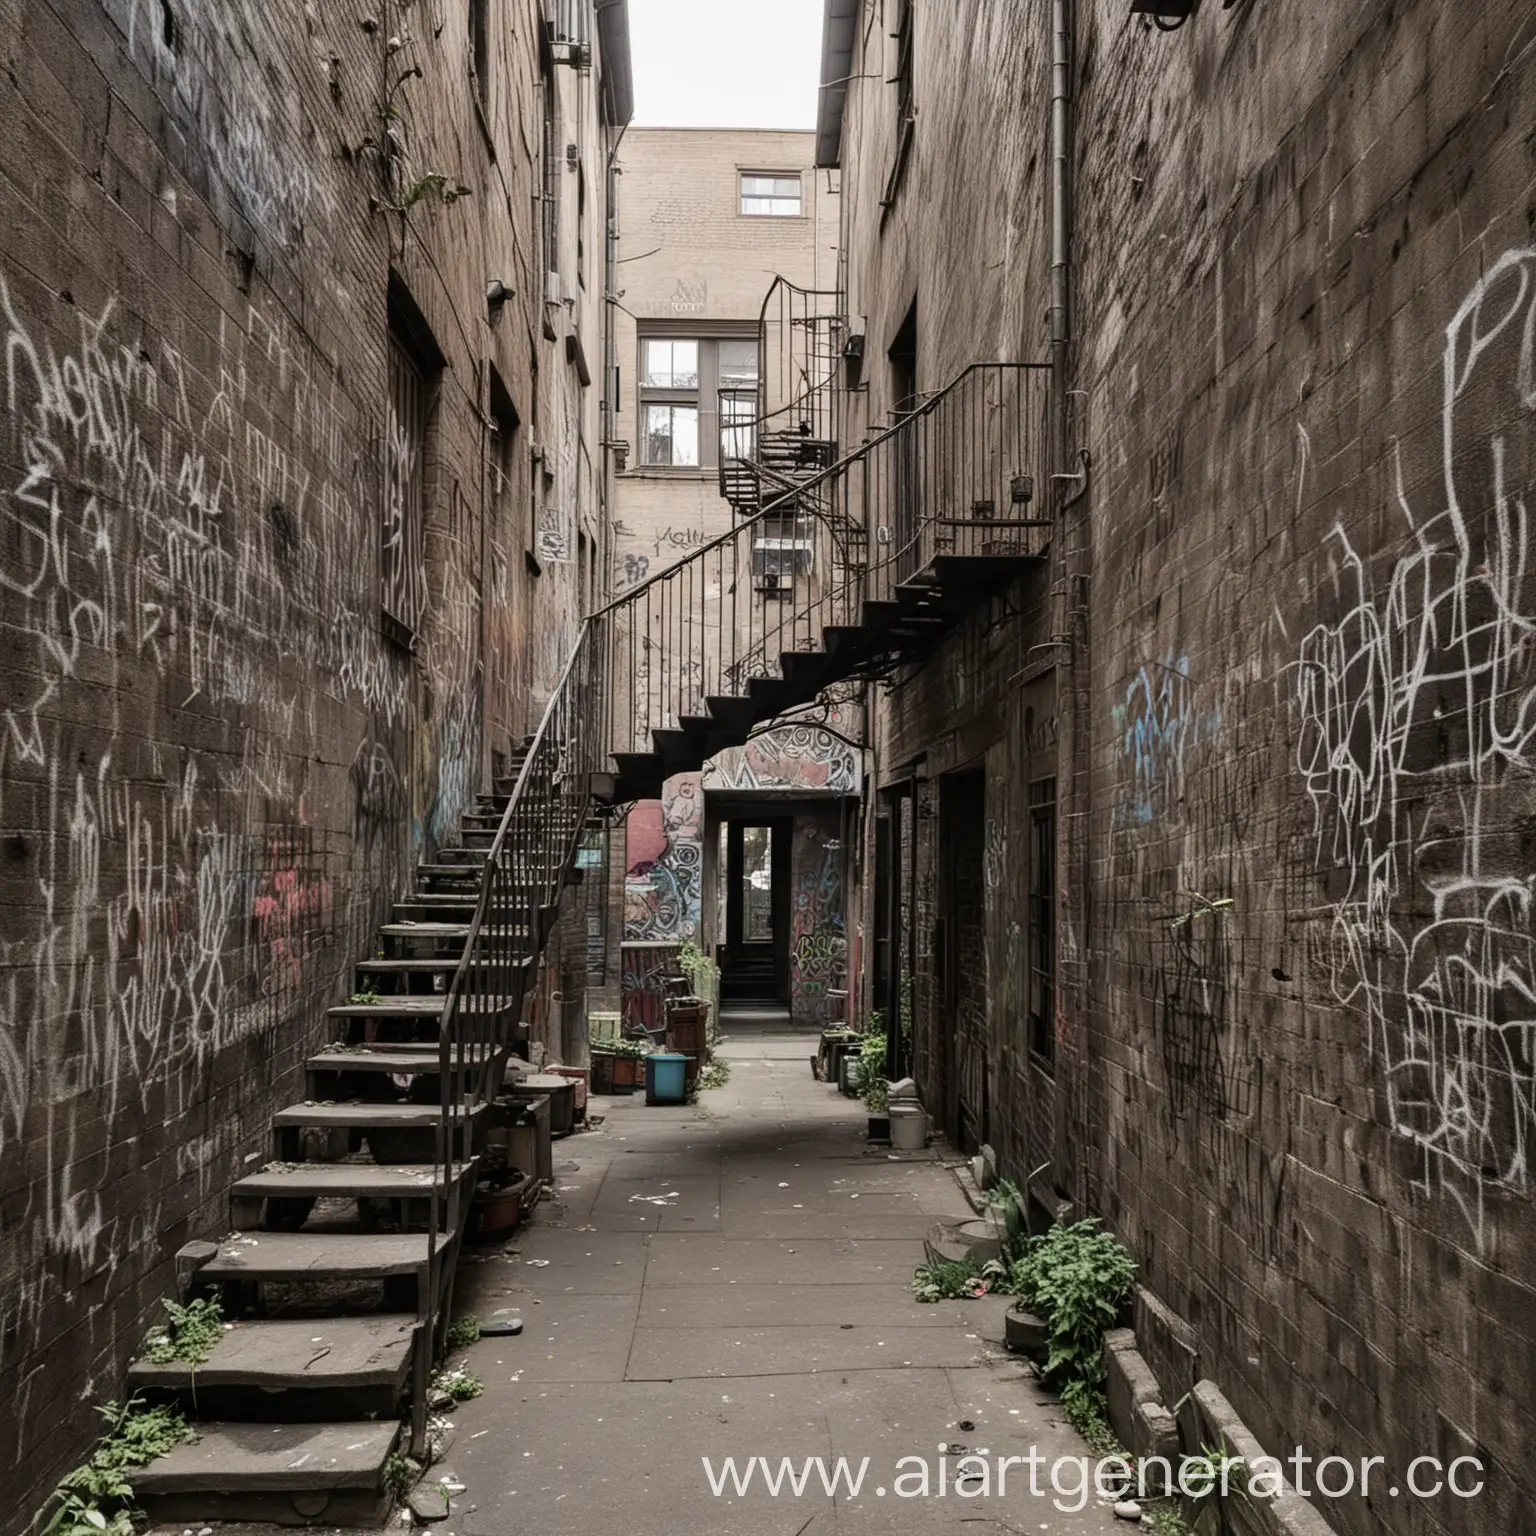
(602,1071)
(493,1212)
(1026,1334)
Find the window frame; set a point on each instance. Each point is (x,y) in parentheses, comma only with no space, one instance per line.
(743,196)
(702,396)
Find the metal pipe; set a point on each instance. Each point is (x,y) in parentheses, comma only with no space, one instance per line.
(1061,96)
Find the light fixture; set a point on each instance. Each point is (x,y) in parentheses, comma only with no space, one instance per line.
(1169,15)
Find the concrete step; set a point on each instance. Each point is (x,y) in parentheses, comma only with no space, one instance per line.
(290,1256)
(345,1181)
(405,1007)
(304,1369)
(396,1060)
(288,1474)
(358,1116)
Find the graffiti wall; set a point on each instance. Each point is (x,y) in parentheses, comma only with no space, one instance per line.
(663,875)
(798,757)
(818,959)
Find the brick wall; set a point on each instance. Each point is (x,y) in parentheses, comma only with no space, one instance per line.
(215,770)
(1293,1049)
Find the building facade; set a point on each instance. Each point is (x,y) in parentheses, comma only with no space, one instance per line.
(727,278)
(304,453)
(1205,892)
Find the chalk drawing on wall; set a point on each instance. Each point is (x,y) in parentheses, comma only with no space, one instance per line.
(1416,714)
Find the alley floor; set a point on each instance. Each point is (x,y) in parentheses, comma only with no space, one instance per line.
(727,1281)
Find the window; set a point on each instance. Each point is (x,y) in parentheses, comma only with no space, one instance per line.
(1042,918)
(403,589)
(738,398)
(683,381)
(550,192)
(771,194)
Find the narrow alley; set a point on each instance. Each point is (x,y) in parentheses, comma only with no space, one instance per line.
(732,1280)
(768,767)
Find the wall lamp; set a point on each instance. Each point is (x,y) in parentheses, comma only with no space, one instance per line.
(1168,15)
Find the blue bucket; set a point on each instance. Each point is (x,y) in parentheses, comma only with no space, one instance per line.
(665,1078)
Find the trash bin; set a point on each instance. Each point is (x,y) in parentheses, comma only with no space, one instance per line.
(909,1127)
(665,1078)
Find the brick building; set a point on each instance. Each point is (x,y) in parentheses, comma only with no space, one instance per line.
(306,493)
(1206,844)
(727,278)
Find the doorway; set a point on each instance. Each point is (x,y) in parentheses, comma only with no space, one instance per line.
(754,963)
(962,955)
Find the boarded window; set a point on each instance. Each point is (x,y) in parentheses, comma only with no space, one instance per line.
(404,584)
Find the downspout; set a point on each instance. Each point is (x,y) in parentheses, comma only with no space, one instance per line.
(1061,170)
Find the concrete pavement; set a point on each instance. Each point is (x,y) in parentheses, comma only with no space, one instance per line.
(730,1281)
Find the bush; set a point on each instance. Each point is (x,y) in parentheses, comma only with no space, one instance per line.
(1077,1278)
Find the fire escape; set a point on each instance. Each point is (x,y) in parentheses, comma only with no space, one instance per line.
(843,563)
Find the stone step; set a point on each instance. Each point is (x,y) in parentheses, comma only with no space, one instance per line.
(397,1061)
(359,1364)
(284,1473)
(358,1116)
(404,1007)
(345,1181)
(290,1256)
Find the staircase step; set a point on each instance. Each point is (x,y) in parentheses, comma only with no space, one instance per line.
(317,1256)
(391,1008)
(272,1472)
(428,929)
(439,907)
(345,1181)
(398,1061)
(365,1117)
(280,1355)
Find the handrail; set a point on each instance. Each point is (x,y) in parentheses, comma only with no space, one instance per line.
(956,475)
(821,477)
(522,874)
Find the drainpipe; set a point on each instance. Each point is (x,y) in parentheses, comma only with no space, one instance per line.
(1061,170)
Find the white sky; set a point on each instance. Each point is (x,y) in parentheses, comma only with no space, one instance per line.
(725,63)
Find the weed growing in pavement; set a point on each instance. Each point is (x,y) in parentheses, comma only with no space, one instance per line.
(464,1332)
(135,1436)
(940,1279)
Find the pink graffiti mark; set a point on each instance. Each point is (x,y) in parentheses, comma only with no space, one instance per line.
(291,914)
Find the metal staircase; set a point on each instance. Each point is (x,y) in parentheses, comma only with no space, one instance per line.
(782,432)
(851,571)
(338,1276)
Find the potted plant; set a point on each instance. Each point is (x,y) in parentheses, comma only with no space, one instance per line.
(874,1086)
(628,1071)
(602,1068)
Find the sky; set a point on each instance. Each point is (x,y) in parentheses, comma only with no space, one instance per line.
(725,63)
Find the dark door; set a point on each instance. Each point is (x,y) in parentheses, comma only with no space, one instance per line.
(757,913)
(963,955)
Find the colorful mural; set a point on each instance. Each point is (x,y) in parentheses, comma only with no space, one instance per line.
(802,757)
(818,942)
(663,878)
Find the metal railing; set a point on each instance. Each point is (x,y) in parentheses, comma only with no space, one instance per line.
(962,474)
(520,887)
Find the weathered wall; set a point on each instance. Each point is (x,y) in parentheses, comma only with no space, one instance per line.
(1294,1055)
(215,770)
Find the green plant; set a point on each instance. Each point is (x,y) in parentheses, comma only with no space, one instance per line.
(1086,1409)
(464,1332)
(625,1046)
(1077,1278)
(399,1473)
(1168,1520)
(941,1279)
(1220,1475)
(190,1334)
(433,185)
(716,1075)
(135,1436)
(365,999)
(874,1086)
(459,1385)
(1004,1203)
